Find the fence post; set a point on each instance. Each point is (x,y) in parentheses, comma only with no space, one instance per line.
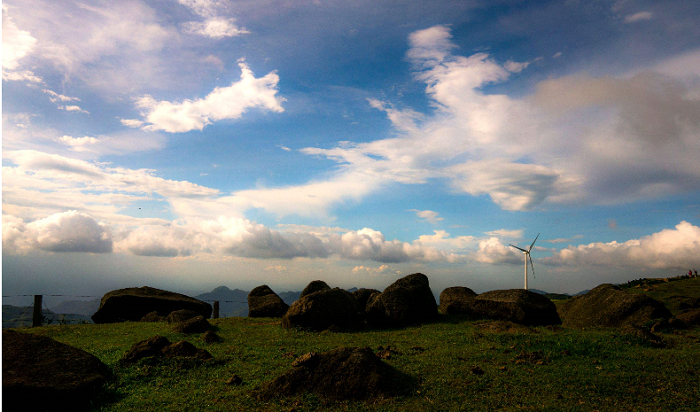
(216,309)
(36,319)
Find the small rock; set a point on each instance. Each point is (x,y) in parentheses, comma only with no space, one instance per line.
(476,370)
(210,337)
(234,380)
(308,359)
(195,325)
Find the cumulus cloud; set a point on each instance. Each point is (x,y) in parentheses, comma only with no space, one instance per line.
(16,44)
(428,215)
(222,103)
(62,232)
(374,270)
(677,248)
(492,251)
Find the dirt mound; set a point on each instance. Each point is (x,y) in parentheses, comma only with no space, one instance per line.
(181,315)
(516,305)
(132,304)
(609,306)
(339,374)
(264,303)
(194,325)
(39,373)
(457,300)
(322,309)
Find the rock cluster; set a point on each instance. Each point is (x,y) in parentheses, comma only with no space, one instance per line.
(160,346)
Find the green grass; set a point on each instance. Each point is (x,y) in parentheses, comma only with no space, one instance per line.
(672,293)
(539,369)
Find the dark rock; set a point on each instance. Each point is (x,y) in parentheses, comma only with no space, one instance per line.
(457,300)
(609,306)
(340,374)
(689,317)
(264,303)
(210,337)
(159,346)
(146,348)
(184,349)
(314,286)
(407,301)
(234,380)
(39,373)
(516,305)
(152,317)
(181,315)
(195,325)
(132,304)
(362,295)
(320,310)
(310,359)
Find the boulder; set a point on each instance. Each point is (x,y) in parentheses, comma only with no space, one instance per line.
(39,373)
(185,349)
(132,304)
(407,301)
(609,306)
(323,309)
(145,348)
(159,346)
(457,300)
(152,317)
(339,374)
(195,325)
(314,286)
(264,303)
(182,315)
(210,337)
(516,305)
(689,317)
(362,296)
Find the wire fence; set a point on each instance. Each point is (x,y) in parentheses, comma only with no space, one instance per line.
(12,318)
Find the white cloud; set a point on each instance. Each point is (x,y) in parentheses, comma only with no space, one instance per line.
(133,123)
(222,103)
(637,17)
(204,8)
(374,271)
(515,67)
(428,215)
(73,108)
(441,240)
(62,232)
(494,252)
(677,248)
(79,144)
(16,44)
(55,97)
(215,27)
(505,233)
(563,240)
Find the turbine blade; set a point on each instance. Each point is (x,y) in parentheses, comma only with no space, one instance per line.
(533,242)
(521,249)
(532,266)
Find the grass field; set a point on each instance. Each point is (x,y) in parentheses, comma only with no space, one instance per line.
(672,291)
(543,369)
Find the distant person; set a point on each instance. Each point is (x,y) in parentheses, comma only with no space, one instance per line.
(696,273)
(690,273)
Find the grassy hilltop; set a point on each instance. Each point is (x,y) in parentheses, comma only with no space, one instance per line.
(454,364)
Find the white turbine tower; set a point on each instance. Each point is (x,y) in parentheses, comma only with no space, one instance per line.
(527,255)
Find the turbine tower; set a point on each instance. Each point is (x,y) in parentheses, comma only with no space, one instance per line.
(527,255)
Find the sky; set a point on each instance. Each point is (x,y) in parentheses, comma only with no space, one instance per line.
(188,144)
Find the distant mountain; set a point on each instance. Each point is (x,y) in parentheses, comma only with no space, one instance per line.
(289,297)
(231,302)
(552,296)
(21,316)
(77,307)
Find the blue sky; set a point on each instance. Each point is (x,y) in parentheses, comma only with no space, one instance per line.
(196,143)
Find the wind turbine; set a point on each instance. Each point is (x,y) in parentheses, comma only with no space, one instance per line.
(527,255)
